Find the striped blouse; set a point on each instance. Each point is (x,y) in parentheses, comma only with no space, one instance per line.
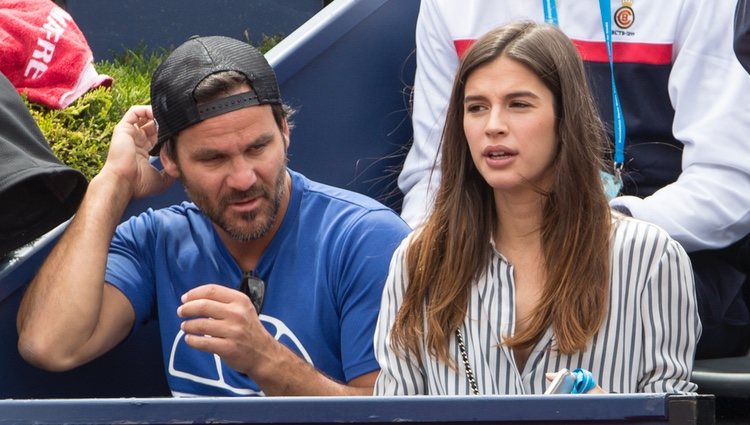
(645,344)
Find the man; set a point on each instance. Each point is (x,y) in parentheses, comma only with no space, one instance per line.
(682,93)
(312,259)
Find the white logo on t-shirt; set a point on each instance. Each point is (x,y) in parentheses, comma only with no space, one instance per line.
(179,345)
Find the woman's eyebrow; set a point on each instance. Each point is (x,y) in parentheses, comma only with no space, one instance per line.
(511,95)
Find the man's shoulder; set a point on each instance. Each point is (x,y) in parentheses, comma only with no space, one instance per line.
(168,217)
(338,198)
(336,211)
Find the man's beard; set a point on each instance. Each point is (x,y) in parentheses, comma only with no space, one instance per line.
(234,228)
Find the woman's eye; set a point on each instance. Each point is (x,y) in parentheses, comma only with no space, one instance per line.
(474,108)
(519,105)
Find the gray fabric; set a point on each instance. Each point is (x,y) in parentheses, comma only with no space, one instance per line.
(37,192)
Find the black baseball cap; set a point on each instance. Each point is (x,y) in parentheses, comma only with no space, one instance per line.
(175,80)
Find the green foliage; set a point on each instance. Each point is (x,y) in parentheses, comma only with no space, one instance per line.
(79,134)
(267,42)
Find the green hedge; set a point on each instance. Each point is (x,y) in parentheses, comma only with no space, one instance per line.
(79,134)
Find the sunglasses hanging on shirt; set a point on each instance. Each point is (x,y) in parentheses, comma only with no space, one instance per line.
(255,288)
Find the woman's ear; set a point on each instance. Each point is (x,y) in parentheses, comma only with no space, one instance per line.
(169,164)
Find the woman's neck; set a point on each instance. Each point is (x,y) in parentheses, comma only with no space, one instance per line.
(519,223)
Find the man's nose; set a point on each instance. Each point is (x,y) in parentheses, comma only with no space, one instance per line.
(242,174)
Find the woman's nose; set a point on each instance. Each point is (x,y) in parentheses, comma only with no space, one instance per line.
(496,123)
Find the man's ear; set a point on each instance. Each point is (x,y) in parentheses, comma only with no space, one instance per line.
(170,165)
(285,133)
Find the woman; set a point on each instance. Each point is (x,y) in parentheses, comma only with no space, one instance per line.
(522,269)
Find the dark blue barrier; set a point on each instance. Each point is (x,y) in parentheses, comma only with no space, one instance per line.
(565,409)
(348,71)
(112,26)
(351,83)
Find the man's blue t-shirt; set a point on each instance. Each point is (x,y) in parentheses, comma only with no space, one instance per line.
(324,272)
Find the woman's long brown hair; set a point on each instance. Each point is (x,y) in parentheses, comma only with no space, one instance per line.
(453,248)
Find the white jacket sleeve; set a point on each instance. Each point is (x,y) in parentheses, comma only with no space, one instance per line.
(437,63)
(709,205)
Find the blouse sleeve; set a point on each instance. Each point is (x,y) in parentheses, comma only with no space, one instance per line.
(399,374)
(671,323)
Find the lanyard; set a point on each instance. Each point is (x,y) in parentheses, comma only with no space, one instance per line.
(550,17)
(550,12)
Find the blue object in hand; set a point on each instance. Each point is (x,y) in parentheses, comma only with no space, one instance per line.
(584,383)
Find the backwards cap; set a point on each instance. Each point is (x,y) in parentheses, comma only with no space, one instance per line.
(175,80)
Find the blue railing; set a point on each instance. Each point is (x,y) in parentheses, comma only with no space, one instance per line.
(565,409)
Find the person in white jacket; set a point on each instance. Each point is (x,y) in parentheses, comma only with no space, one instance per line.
(686,166)
(742,33)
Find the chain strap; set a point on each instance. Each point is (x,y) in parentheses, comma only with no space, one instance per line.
(467,366)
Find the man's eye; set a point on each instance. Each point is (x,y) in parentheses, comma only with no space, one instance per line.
(257,148)
(209,159)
